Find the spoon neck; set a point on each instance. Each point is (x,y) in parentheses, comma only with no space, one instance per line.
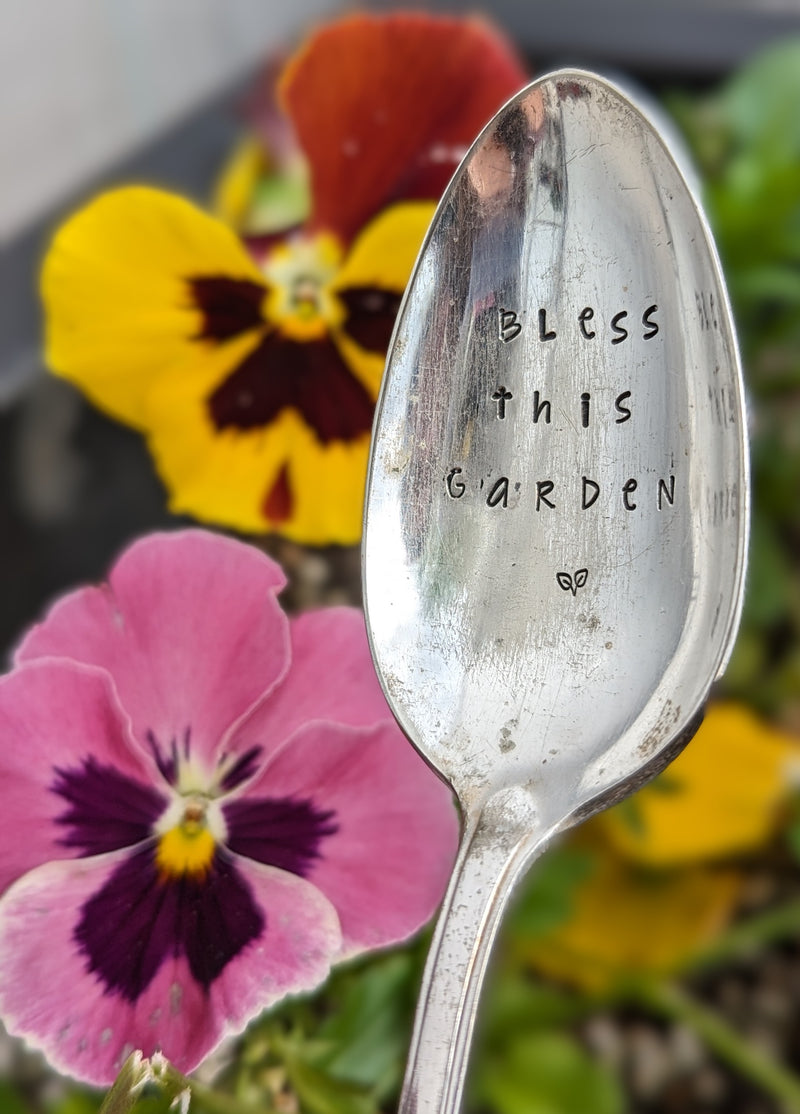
(499,841)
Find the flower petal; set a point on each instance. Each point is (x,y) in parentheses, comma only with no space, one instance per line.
(115,287)
(384,252)
(190,630)
(105,810)
(236,183)
(332,679)
(721,796)
(240,441)
(228,306)
(136,920)
(370,316)
(283,832)
(386,865)
(374,274)
(55,717)
(48,995)
(626,924)
(310,377)
(384,107)
(228,476)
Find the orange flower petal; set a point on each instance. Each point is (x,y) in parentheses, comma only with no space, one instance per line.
(384,107)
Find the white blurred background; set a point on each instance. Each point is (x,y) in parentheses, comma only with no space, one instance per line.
(84,82)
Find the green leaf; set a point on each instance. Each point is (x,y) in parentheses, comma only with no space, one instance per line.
(666,785)
(321,1093)
(760,101)
(630,812)
(772,282)
(516,1002)
(156,1104)
(768,576)
(546,1073)
(11,1101)
(74,1102)
(793,838)
(547,897)
(745,665)
(368,1032)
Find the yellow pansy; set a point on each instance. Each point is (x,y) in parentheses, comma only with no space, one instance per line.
(721,796)
(655,898)
(629,921)
(252,366)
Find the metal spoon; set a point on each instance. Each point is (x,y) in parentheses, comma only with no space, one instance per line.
(556,516)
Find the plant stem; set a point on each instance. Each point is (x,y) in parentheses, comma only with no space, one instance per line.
(749,936)
(753,1063)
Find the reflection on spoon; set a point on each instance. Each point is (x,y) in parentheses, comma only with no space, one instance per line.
(557,503)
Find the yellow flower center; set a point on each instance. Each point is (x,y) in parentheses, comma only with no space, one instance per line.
(188,847)
(300,273)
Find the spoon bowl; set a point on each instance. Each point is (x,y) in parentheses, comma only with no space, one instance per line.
(556,517)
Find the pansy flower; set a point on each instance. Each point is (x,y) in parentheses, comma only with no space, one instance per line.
(204,806)
(722,796)
(629,923)
(253,367)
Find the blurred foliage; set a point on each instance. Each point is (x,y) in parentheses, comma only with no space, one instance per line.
(745,138)
(546,1073)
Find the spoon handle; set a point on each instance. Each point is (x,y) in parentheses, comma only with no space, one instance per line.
(496,847)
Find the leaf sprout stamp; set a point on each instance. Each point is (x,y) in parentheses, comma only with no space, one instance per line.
(570,583)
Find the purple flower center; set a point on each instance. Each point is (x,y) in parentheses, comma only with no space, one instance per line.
(296,364)
(278,831)
(137,920)
(308,376)
(144,913)
(106,810)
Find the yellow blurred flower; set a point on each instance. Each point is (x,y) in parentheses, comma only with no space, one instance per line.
(629,921)
(249,381)
(721,796)
(655,896)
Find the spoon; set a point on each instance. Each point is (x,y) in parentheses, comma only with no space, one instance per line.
(557,504)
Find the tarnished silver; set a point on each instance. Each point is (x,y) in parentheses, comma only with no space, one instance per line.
(557,504)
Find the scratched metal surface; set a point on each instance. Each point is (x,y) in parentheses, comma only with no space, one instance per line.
(556,516)
(555,525)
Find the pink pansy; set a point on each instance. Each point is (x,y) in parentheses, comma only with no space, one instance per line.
(205,805)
